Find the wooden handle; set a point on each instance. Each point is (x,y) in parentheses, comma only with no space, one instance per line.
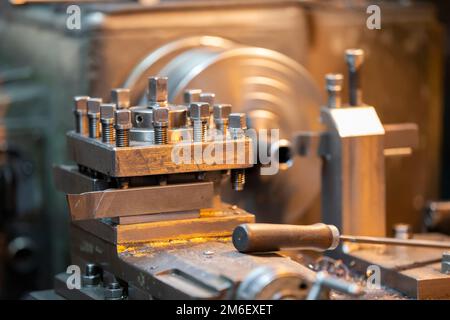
(264,237)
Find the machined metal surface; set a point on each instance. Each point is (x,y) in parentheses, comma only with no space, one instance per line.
(68,179)
(209,224)
(193,269)
(138,201)
(416,272)
(353,181)
(139,160)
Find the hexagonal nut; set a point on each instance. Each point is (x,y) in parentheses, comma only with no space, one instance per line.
(157,89)
(199,110)
(122,119)
(237,121)
(121,97)
(113,291)
(80,103)
(161,116)
(93,105)
(107,111)
(222,111)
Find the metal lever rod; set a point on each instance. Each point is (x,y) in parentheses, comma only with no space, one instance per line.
(397,242)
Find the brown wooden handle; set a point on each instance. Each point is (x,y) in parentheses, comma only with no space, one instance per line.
(264,237)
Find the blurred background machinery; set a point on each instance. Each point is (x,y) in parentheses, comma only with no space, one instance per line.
(266,58)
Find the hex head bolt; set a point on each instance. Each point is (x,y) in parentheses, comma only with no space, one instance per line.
(91,275)
(93,105)
(191,96)
(80,112)
(200,118)
(238,125)
(107,120)
(354,59)
(209,98)
(122,126)
(333,83)
(157,92)
(161,124)
(221,113)
(121,98)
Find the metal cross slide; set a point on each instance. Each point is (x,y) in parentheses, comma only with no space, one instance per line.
(139,201)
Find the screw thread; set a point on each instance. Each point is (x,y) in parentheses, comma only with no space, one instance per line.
(94,128)
(122,137)
(238,179)
(222,126)
(200,129)
(161,135)
(108,132)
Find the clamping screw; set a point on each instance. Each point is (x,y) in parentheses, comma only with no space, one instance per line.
(121,98)
(107,120)
(200,117)
(122,126)
(238,125)
(80,112)
(161,124)
(157,92)
(237,179)
(191,96)
(354,59)
(93,105)
(334,87)
(209,98)
(221,113)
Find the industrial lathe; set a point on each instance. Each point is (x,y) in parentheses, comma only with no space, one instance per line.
(148,220)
